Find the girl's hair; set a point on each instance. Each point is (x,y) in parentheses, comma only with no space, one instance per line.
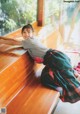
(26,27)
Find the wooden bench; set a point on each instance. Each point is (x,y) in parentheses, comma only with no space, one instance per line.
(21,92)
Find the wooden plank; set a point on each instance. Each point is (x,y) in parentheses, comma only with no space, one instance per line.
(14,75)
(34,99)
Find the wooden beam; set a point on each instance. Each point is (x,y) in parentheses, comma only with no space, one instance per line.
(40,12)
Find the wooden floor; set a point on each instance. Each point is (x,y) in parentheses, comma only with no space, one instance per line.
(68,108)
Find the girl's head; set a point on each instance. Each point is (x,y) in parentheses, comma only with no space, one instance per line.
(27,31)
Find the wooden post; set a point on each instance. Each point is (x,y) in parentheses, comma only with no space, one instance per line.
(40,12)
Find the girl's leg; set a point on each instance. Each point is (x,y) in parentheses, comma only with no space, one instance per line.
(48,80)
(77,75)
(60,64)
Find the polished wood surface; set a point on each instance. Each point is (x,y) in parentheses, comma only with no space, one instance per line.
(13,75)
(34,99)
(8,55)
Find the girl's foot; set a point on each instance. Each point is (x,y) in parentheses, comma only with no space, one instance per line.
(77,75)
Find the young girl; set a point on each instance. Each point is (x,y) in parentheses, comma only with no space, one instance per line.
(58,73)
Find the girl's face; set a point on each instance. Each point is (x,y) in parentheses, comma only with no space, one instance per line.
(27,33)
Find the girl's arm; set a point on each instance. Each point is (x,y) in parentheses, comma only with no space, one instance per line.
(8,41)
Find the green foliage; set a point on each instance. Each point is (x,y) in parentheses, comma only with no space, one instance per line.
(18,13)
(10,25)
(10,9)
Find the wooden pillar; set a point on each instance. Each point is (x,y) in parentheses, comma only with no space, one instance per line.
(40,12)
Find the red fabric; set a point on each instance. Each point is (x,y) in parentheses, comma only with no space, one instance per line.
(38,60)
(77,68)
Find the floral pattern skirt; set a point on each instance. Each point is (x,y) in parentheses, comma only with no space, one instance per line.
(58,74)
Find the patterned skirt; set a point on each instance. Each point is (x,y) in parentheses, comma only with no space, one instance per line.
(58,74)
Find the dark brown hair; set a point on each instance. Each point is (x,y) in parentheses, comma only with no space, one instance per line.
(26,27)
